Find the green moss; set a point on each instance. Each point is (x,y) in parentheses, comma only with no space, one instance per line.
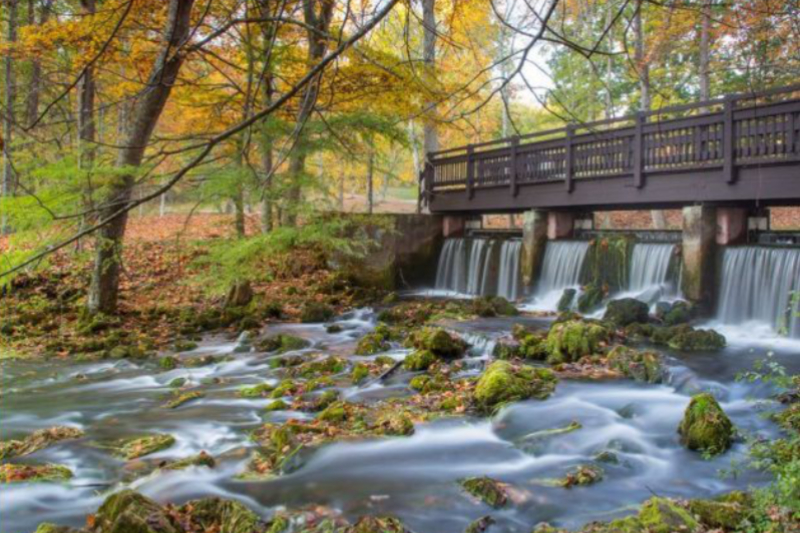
(718,515)
(419,360)
(316,312)
(639,332)
(506,350)
(503,382)
(583,475)
(184,345)
(130,512)
(177,383)
(660,515)
(14,473)
(282,343)
(534,347)
(569,341)
(133,448)
(377,524)
(38,440)
(626,311)
(201,459)
(641,366)
(321,367)
(168,362)
(688,340)
(486,489)
(590,299)
(181,399)
(262,390)
(489,306)
(566,300)
(222,516)
(437,341)
(705,426)
(335,412)
(47,527)
(287,387)
(277,405)
(480,525)
(360,373)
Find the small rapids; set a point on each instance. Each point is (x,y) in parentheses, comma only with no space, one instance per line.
(412,477)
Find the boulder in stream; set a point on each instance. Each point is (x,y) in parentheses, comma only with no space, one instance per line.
(13,473)
(504,382)
(130,512)
(626,311)
(705,426)
(640,365)
(488,490)
(135,447)
(38,440)
(570,340)
(437,341)
(566,300)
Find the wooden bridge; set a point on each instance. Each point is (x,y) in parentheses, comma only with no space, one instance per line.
(738,150)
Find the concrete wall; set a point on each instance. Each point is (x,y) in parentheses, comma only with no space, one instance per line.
(699,256)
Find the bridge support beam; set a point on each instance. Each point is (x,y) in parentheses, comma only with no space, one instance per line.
(732,225)
(560,224)
(534,241)
(453,226)
(699,255)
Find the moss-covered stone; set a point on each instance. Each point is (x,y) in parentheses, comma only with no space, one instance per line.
(47,527)
(282,343)
(359,373)
(583,475)
(287,387)
(626,311)
(277,405)
(201,459)
(335,412)
(569,341)
(641,366)
(503,383)
(168,362)
(679,312)
(184,345)
(718,515)
(705,426)
(419,360)
(262,390)
(372,343)
(135,447)
(130,512)
(507,349)
(660,515)
(316,312)
(566,301)
(377,524)
(534,347)
(223,516)
(486,489)
(489,306)
(639,332)
(590,299)
(38,440)
(437,341)
(184,398)
(14,473)
(690,340)
(480,525)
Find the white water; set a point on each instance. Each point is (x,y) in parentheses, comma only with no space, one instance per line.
(509,276)
(478,267)
(561,269)
(759,286)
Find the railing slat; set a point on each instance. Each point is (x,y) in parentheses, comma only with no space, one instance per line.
(728,170)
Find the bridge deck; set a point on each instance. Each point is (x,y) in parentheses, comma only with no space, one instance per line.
(742,149)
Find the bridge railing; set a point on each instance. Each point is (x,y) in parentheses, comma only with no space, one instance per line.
(725,133)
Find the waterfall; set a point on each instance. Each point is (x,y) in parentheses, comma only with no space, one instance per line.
(473,266)
(649,271)
(509,277)
(761,284)
(562,265)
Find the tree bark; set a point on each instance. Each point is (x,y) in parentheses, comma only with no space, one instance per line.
(268,30)
(430,135)
(34,88)
(370,180)
(318,23)
(10,101)
(104,290)
(86,102)
(705,51)
(641,62)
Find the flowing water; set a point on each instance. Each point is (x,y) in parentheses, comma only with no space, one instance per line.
(413,477)
(476,266)
(562,267)
(760,287)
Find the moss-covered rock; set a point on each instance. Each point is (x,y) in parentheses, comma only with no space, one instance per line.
(660,515)
(223,516)
(201,459)
(135,447)
(378,524)
(184,398)
(626,311)
(534,347)
(570,340)
(130,512)
(590,299)
(718,514)
(486,489)
(641,366)
(566,301)
(639,332)
(282,343)
(14,473)
(507,349)
(359,373)
(679,312)
(437,341)
(374,342)
(262,390)
(503,383)
(184,345)
(705,426)
(419,360)
(168,362)
(691,340)
(177,383)
(316,312)
(583,475)
(489,306)
(47,527)
(38,440)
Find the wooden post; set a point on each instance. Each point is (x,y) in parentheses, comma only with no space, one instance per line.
(470,171)
(728,142)
(638,151)
(513,179)
(427,179)
(568,157)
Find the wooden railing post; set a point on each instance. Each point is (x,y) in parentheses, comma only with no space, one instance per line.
(514,168)
(728,142)
(638,151)
(427,179)
(568,174)
(470,171)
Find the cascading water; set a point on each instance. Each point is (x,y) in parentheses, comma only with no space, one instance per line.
(649,278)
(761,284)
(561,269)
(509,276)
(473,266)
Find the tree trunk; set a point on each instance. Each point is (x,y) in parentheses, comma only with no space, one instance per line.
(370,180)
(609,61)
(641,62)
(318,22)
(705,46)
(268,30)
(430,135)
(86,121)
(341,192)
(10,101)
(104,290)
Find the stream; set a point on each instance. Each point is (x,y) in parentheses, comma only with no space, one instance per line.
(411,477)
